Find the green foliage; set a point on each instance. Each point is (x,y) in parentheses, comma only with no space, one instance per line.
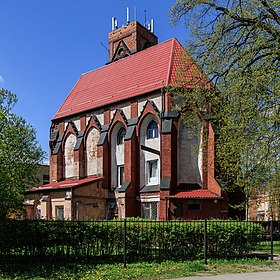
(265,246)
(237,44)
(273,191)
(19,155)
(70,241)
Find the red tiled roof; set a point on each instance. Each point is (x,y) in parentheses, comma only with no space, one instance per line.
(140,73)
(65,184)
(204,194)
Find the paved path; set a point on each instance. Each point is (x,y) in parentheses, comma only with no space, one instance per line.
(269,275)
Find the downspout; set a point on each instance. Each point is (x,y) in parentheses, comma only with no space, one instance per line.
(73,206)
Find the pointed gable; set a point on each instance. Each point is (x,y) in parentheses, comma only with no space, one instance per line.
(121,51)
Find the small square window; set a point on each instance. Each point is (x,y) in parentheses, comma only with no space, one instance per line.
(120,175)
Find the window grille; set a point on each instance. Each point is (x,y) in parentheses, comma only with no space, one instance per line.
(59,213)
(149,210)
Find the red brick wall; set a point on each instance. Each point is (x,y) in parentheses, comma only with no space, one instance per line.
(134,109)
(212,184)
(163,204)
(134,35)
(209,208)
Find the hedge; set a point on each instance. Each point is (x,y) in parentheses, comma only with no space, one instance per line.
(165,240)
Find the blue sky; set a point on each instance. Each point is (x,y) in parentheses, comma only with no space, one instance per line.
(45,45)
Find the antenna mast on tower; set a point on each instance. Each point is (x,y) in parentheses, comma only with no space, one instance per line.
(127,15)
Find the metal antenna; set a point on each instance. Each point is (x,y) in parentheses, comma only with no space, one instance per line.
(134,13)
(105,47)
(127,15)
(114,24)
(152,25)
(145,18)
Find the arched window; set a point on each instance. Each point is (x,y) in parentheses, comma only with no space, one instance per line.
(120,136)
(152,130)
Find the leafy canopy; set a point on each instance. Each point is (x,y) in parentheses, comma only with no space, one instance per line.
(20,155)
(237,43)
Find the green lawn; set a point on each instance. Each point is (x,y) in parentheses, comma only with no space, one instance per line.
(143,270)
(265,246)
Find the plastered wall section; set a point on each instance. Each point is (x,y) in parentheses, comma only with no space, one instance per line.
(156,98)
(91,202)
(189,154)
(93,163)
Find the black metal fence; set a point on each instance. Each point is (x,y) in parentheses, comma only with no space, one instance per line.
(40,242)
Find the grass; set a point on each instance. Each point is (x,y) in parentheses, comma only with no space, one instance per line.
(265,246)
(142,270)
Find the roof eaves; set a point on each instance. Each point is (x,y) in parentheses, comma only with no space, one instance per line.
(170,61)
(68,96)
(66,185)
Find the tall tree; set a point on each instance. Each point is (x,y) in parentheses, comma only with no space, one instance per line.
(20,155)
(237,43)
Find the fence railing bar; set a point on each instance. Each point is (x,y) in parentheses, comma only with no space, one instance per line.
(124,244)
(26,241)
(271,239)
(205,241)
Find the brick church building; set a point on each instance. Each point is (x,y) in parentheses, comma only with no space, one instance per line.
(117,147)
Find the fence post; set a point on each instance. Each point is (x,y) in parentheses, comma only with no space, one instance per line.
(271,239)
(124,244)
(205,241)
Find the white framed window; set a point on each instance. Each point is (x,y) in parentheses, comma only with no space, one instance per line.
(149,210)
(120,175)
(152,130)
(59,213)
(152,172)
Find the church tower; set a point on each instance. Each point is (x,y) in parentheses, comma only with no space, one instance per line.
(129,39)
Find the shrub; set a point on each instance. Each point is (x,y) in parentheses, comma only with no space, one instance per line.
(146,239)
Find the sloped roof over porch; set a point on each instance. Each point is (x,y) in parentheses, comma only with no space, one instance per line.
(195,194)
(66,184)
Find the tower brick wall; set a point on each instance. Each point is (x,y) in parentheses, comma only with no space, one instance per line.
(134,35)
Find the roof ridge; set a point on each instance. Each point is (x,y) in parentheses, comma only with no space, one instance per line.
(143,72)
(135,54)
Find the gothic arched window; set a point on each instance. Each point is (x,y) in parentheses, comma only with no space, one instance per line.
(152,130)
(120,136)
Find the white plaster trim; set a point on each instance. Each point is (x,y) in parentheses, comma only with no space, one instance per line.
(149,198)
